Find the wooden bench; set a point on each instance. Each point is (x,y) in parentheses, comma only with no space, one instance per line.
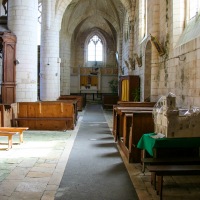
(169,161)
(134,124)
(108,100)
(10,136)
(126,105)
(45,115)
(20,130)
(118,118)
(135,104)
(80,100)
(170,170)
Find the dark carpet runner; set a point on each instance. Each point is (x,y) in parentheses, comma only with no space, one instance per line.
(95,170)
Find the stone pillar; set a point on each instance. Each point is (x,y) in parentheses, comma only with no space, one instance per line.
(65,65)
(49,54)
(22,21)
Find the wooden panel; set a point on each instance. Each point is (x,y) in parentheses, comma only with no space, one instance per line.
(6,115)
(108,100)
(8,42)
(8,93)
(28,109)
(118,117)
(9,69)
(135,125)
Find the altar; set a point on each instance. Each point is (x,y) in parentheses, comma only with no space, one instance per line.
(89,90)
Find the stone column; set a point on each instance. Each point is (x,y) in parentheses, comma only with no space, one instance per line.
(65,65)
(22,21)
(49,54)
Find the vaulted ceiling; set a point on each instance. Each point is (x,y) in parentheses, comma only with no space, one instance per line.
(82,15)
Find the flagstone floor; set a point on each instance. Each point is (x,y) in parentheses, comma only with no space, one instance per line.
(33,170)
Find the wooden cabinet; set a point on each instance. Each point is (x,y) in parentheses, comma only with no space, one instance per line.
(129,87)
(8,50)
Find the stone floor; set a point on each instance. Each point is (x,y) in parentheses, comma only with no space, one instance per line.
(34,169)
(175,187)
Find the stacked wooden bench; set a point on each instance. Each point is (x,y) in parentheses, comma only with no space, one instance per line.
(10,132)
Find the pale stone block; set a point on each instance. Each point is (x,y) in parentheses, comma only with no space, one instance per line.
(31,187)
(49,195)
(26,195)
(35,174)
(8,187)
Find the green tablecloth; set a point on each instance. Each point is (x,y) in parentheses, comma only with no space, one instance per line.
(148,143)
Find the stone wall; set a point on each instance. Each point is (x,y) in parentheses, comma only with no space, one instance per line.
(177,70)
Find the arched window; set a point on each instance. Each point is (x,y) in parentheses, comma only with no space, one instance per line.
(143,19)
(39,23)
(95,49)
(192,8)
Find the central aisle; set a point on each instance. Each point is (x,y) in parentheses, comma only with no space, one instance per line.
(95,170)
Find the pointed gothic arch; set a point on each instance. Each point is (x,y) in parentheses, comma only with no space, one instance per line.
(104,44)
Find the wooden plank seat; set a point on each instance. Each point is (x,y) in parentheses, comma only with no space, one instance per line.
(158,171)
(20,130)
(135,104)
(53,119)
(169,161)
(10,136)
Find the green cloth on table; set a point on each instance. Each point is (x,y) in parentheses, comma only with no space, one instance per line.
(148,143)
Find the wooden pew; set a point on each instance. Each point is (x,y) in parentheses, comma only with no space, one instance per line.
(108,100)
(135,124)
(79,98)
(9,135)
(19,130)
(45,115)
(118,118)
(123,104)
(135,104)
(158,171)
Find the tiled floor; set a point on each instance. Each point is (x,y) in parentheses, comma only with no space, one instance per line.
(33,170)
